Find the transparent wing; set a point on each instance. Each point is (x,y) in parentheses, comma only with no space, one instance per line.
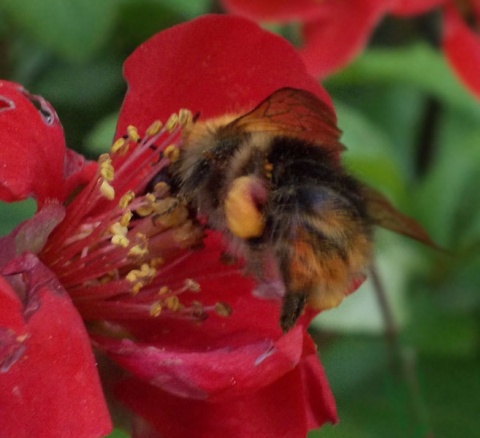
(294,113)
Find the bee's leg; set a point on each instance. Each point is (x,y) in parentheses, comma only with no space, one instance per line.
(292,307)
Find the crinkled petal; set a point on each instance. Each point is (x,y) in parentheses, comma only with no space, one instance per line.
(289,407)
(211,65)
(274,10)
(336,36)
(35,161)
(461,46)
(213,374)
(49,386)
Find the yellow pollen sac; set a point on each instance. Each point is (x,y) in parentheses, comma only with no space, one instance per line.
(173,216)
(172,153)
(223,309)
(156,309)
(244,219)
(164,290)
(192,285)
(184,117)
(118,228)
(132,133)
(173,303)
(145,274)
(107,171)
(155,262)
(119,240)
(125,219)
(107,190)
(147,206)
(119,146)
(137,251)
(136,288)
(126,199)
(172,123)
(154,128)
(188,234)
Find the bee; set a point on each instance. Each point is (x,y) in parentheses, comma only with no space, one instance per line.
(271,181)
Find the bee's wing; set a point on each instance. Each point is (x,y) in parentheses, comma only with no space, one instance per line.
(294,113)
(384,214)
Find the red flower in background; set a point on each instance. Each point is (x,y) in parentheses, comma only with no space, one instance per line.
(122,260)
(335,31)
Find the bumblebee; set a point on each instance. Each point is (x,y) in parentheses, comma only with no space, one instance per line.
(270,180)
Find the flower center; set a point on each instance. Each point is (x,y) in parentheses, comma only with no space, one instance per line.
(120,235)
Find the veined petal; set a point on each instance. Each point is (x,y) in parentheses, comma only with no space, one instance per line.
(49,385)
(203,65)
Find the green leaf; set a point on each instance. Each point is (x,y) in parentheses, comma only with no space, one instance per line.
(12,214)
(73,29)
(100,139)
(419,66)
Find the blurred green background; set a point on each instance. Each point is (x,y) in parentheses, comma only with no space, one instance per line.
(412,131)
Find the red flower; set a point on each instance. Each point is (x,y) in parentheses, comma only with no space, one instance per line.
(336,31)
(205,357)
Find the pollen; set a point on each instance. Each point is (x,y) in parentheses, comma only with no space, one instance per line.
(173,303)
(112,257)
(119,240)
(154,128)
(107,171)
(184,117)
(126,218)
(172,153)
(223,309)
(126,199)
(107,190)
(192,285)
(120,146)
(172,123)
(132,133)
(156,309)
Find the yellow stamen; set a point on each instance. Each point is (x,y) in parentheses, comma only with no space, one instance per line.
(107,171)
(119,240)
(120,145)
(172,153)
(172,123)
(184,117)
(163,290)
(133,133)
(148,205)
(192,285)
(173,303)
(156,309)
(223,309)
(107,190)
(125,219)
(126,199)
(154,128)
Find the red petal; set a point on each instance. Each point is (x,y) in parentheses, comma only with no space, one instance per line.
(49,386)
(35,161)
(340,33)
(274,10)
(212,373)
(462,48)
(213,65)
(32,146)
(289,407)
(414,7)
